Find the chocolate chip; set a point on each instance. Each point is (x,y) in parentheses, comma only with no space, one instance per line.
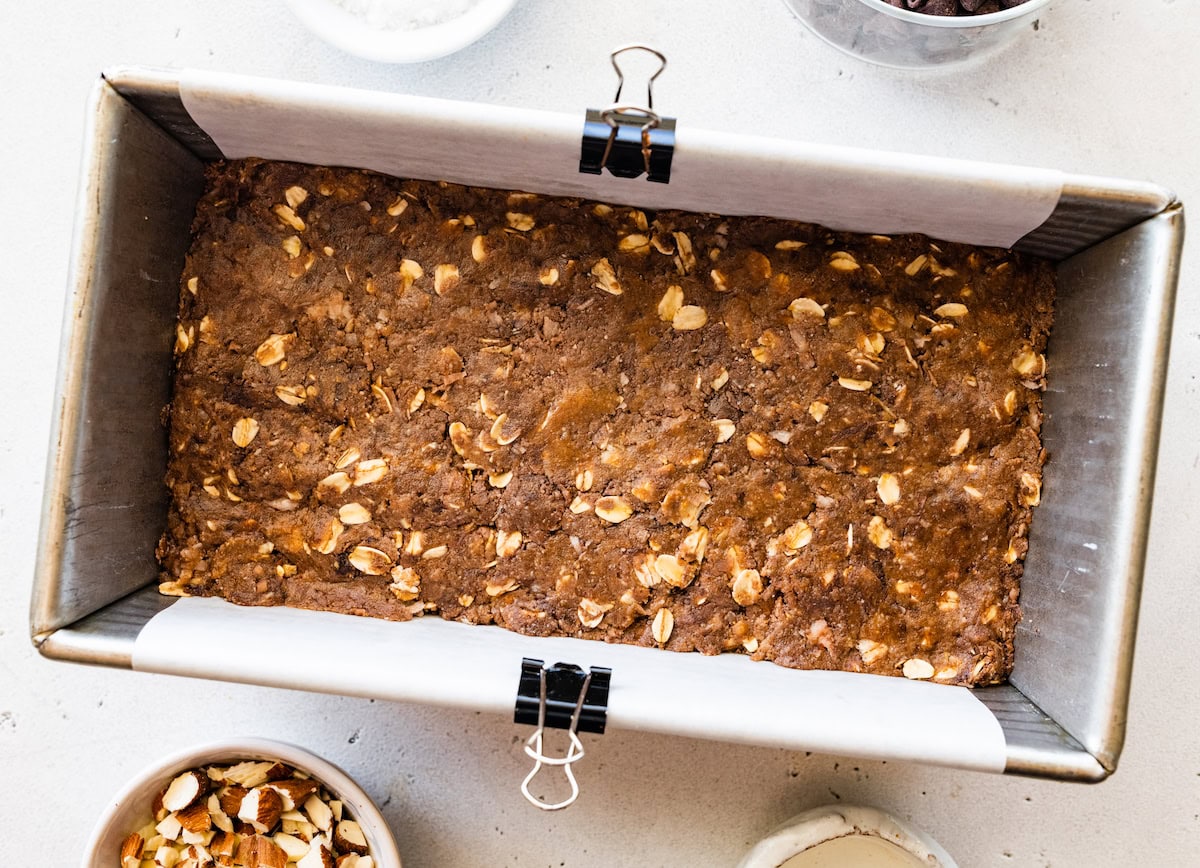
(955,7)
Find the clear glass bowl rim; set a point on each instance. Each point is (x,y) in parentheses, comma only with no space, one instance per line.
(953,21)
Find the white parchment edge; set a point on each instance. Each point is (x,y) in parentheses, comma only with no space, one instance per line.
(729,697)
(491,146)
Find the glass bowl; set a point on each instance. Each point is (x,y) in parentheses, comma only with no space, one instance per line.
(877,32)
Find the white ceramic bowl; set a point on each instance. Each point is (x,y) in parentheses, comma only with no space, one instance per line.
(899,844)
(354,35)
(130,808)
(878,32)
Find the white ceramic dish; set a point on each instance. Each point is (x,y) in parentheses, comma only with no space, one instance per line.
(899,844)
(130,808)
(877,32)
(354,35)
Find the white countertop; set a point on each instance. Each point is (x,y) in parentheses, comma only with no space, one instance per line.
(1102,87)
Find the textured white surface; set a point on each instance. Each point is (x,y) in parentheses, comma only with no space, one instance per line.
(1105,87)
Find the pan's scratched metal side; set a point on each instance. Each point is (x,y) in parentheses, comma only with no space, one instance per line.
(1107,360)
(155,92)
(1090,210)
(105,502)
(107,637)
(1035,744)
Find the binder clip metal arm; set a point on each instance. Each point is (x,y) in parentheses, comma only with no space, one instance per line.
(629,140)
(585,709)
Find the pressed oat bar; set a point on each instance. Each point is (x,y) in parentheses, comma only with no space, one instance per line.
(397,398)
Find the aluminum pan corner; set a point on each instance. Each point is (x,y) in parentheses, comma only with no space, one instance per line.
(1108,355)
(104,496)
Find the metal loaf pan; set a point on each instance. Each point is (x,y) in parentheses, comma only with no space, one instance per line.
(1117,245)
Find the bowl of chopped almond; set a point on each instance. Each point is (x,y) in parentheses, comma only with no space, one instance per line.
(250,803)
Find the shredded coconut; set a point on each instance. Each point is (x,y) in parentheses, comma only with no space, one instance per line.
(406,14)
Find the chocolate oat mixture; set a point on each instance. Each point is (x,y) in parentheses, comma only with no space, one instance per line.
(396,398)
(955,7)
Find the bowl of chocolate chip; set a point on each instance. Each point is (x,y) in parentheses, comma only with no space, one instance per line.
(250,803)
(919,34)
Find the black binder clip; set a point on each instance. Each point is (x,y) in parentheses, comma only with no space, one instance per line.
(629,140)
(561,696)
